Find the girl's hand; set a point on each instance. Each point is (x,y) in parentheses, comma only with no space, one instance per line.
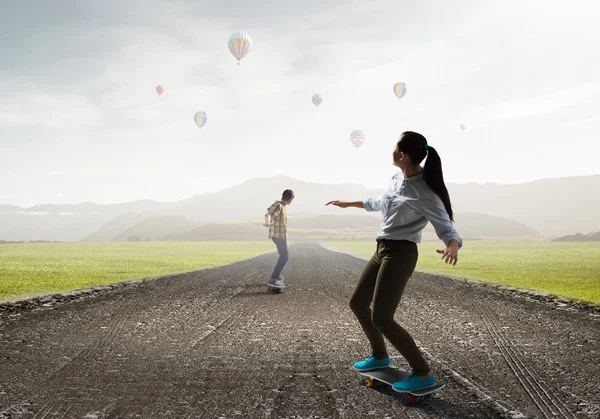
(341,204)
(450,254)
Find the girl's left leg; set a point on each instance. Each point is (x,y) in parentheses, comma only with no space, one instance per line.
(398,261)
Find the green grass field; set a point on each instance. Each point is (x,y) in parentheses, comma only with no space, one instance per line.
(570,270)
(32,268)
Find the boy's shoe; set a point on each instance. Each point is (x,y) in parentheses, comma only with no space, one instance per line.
(370,364)
(413,383)
(279,282)
(276,282)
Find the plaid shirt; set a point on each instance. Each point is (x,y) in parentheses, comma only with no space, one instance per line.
(277,229)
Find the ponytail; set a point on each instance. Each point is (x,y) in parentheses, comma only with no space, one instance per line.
(434,177)
(415,145)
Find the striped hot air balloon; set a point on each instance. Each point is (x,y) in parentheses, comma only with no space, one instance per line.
(400,89)
(357,138)
(316,99)
(200,118)
(240,45)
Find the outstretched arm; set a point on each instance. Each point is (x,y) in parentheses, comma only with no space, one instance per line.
(346,204)
(370,204)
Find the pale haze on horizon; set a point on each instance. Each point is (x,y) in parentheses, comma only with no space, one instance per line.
(80,119)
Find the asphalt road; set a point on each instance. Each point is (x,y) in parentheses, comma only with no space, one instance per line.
(214,344)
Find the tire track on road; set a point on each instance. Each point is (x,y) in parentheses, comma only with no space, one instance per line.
(530,381)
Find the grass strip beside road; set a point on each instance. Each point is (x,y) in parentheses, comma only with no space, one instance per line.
(37,268)
(570,270)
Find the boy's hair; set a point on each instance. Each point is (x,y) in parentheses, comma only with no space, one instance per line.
(287,195)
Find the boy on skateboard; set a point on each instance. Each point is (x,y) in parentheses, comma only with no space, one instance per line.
(276,221)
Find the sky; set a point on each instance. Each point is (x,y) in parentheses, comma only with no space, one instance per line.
(80,119)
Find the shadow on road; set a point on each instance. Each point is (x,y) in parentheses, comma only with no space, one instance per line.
(438,407)
(262,291)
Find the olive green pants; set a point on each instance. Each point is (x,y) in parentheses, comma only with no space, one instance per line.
(381,286)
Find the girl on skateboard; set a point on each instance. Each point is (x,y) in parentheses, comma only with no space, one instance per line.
(416,195)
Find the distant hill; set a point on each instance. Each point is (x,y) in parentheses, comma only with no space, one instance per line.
(224,231)
(335,221)
(592,237)
(552,207)
(251,199)
(66,222)
(157,228)
(359,227)
(469,224)
(116,226)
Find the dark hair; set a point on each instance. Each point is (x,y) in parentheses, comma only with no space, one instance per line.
(415,145)
(287,195)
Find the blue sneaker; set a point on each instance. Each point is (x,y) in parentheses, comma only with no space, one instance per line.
(371,364)
(413,383)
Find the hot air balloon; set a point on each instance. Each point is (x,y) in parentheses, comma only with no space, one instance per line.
(160,90)
(357,138)
(240,45)
(400,89)
(316,100)
(200,118)
(463,127)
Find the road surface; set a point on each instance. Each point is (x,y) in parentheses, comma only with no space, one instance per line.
(213,344)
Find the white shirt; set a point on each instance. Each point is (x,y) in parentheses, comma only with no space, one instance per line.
(407,205)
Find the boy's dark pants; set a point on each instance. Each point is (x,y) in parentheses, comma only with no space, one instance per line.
(282,249)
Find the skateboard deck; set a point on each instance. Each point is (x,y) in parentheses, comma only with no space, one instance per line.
(272,289)
(391,375)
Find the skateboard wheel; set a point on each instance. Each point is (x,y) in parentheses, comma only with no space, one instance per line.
(410,399)
(369,382)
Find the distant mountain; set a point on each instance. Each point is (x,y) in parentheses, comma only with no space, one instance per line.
(480,225)
(115,227)
(157,228)
(552,207)
(90,208)
(251,199)
(65,222)
(33,225)
(224,231)
(592,237)
(336,221)
(326,226)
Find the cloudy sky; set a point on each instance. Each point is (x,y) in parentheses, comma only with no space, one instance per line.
(80,119)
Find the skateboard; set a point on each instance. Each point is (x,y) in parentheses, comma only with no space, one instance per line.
(392,375)
(274,290)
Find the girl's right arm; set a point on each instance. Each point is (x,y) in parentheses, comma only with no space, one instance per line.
(370,204)
(347,204)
